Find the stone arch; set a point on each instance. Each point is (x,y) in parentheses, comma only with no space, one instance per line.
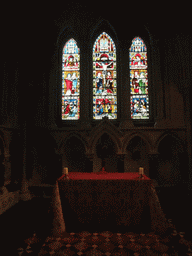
(136,154)
(168,135)
(128,138)
(103,26)
(105,152)
(74,154)
(78,136)
(96,136)
(105,141)
(171,160)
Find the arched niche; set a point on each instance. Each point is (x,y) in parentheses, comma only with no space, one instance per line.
(171,161)
(106,151)
(137,155)
(74,155)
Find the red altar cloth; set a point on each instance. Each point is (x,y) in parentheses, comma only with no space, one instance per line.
(107,201)
(103,176)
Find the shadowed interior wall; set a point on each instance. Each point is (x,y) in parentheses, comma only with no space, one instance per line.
(137,156)
(171,165)
(2,168)
(76,160)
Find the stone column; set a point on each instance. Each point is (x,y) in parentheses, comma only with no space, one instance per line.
(7,164)
(2,170)
(3,189)
(120,165)
(153,165)
(90,157)
(4,91)
(50,122)
(162,98)
(86,91)
(25,193)
(124,99)
(97,164)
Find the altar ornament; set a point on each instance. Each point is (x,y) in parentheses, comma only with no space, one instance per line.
(65,172)
(141,171)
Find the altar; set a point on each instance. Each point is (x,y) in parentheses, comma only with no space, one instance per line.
(108,201)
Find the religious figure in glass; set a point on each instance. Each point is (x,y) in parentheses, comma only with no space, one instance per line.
(104,78)
(138,79)
(70,81)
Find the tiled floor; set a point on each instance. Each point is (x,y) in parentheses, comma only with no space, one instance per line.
(108,243)
(27,218)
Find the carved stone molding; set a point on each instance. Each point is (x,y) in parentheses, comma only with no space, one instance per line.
(121,156)
(126,124)
(3,190)
(153,152)
(90,156)
(167,123)
(105,126)
(25,194)
(129,135)
(84,125)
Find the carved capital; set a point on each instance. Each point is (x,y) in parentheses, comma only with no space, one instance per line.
(85,125)
(90,156)
(153,152)
(7,155)
(3,190)
(168,123)
(121,156)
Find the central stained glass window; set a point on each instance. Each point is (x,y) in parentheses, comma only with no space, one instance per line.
(104,78)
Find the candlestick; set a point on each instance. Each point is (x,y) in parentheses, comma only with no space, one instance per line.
(141,171)
(65,171)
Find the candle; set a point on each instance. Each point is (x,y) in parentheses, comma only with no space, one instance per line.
(65,171)
(141,171)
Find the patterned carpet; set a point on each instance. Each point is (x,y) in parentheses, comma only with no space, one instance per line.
(108,243)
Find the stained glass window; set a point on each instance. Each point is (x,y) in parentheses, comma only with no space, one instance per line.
(104,78)
(138,79)
(70,81)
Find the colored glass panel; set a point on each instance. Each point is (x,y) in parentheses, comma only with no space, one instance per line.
(139,107)
(70,81)
(138,79)
(104,78)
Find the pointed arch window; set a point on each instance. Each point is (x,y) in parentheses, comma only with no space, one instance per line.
(104,78)
(70,81)
(138,79)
